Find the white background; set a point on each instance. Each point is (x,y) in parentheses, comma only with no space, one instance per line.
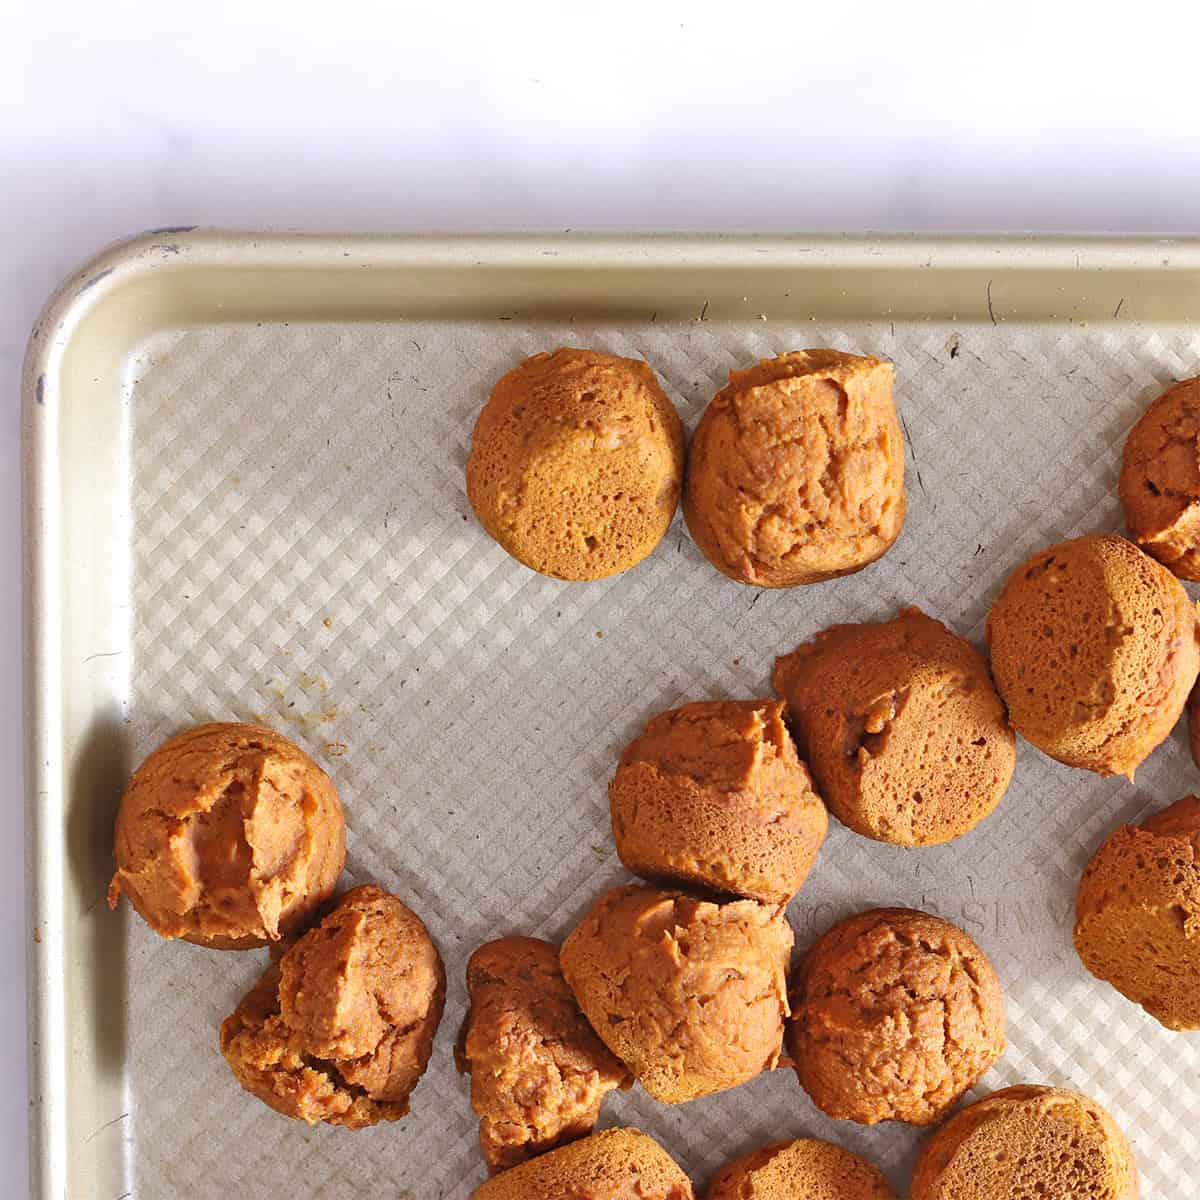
(118,116)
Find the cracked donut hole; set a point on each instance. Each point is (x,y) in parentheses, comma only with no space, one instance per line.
(796,470)
(1133,655)
(1160,479)
(341,1029)
(897,1014)
(700,987)
(618,1164)
(575,441)
(713,794)
(228,835)
(797,1170)
(539,1073)
(1027,1142)
(918,750)
(1138,914)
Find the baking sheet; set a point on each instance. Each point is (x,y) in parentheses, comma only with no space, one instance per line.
(297,549)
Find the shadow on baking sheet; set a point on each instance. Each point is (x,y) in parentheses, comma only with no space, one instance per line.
(96,779)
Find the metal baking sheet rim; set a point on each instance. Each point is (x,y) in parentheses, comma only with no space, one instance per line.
(997,279)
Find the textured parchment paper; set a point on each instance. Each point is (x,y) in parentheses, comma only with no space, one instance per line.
(304,555)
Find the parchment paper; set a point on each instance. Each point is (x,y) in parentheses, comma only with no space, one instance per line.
(304,555)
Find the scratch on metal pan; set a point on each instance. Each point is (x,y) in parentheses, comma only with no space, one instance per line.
(95,279)
(103,654)
(107,1124)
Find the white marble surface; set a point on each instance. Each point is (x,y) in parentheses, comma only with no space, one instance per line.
(122,116)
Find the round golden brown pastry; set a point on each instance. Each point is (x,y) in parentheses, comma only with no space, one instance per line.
(576,463)
(342,1029)
(1094,651)
(804,1169)
(538,1071)
(689,994)
(1027,1143)
(229,836)
(713,794)
(796,470)
(897,1014)
(618,1164)
(1160,479)
(901,727)
(1138,914)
